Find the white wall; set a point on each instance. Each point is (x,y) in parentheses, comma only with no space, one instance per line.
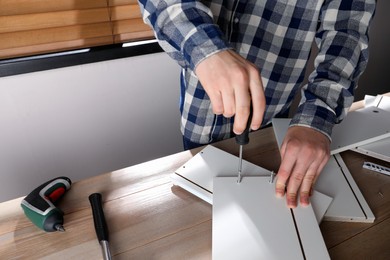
(86,120)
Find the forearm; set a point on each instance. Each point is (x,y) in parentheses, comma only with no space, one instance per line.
(342,39)
(185,30)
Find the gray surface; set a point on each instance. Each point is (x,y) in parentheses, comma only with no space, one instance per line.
(86,120)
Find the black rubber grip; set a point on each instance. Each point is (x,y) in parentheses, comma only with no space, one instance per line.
(243,138)
(36,200)
(98,216)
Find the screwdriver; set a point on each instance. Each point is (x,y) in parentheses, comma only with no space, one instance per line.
(243,139)
(100,224)
(39,205)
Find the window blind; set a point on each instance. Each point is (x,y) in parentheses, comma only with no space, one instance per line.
(29,27)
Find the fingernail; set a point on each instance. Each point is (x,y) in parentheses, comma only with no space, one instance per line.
(279,194)
(291,200)
(279,189)
(305,201)
(291,204)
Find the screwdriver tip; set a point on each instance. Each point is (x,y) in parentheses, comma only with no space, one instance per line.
(59,227)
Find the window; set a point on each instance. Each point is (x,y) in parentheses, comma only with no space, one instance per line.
(30,27)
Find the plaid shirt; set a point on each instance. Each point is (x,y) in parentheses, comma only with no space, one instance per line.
(277,36)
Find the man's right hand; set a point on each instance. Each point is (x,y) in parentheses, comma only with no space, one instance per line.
(232,83)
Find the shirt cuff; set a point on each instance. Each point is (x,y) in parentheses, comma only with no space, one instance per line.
(203,43)
(315,117)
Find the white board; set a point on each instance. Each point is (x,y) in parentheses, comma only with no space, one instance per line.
(360,127)
(348,202)
(309,233)
(336,181)
(250,222)
(196,176)
(382,102)
(379,149)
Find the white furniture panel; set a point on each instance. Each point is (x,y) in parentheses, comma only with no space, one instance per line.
(348,202)
(250,222)
(196,176)
(379,149)
(360,127)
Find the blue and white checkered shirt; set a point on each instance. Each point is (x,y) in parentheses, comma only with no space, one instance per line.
(277,36)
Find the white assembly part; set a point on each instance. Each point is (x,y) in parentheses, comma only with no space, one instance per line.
(379,149)
(360,127)
(382,102)
(369,100)
(250,222)
(348,202)
(336,181)
(196,176)
(376,167)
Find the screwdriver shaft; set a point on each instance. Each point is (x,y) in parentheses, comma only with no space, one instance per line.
(243,139)
(240,165)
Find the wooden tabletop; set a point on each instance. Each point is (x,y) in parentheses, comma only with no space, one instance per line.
(149,218)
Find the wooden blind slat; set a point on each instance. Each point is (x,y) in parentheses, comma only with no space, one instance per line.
(133,36)
(27,22)
(15,7)
(55,47)
(125,12)
(37,26)
(122,2)
(131,30)
(131,25)
(35,37)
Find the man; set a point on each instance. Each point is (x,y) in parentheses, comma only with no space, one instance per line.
(238,54)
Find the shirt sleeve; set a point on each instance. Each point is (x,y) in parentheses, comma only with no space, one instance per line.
(342,40)
(184,28)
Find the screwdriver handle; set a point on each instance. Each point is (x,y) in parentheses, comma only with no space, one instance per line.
(243,138)
(39,205)
(98,216)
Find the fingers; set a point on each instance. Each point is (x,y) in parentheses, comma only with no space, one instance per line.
(216,102)
(229,104)
(233,84)
(298,176)
(304,154)
(258,102)
(303,184)
(308,183)
(251,96)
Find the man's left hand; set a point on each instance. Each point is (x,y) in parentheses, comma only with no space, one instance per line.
(304,154)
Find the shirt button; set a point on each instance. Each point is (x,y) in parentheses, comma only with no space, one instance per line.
(236,20)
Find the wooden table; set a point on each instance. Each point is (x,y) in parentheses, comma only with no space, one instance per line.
(148,218)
